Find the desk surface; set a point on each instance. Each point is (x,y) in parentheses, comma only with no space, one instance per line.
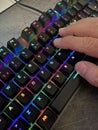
(82,111)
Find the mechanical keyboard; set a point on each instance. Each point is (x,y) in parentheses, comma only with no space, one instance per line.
(37,80)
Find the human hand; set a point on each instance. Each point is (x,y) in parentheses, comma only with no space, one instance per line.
(82,36)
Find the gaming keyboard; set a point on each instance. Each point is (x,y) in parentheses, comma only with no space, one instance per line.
(37,79)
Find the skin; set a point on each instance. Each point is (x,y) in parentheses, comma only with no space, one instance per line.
(82,36)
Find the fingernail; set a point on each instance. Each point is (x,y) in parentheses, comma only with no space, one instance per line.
(61,30)
(81,68)
(57,41)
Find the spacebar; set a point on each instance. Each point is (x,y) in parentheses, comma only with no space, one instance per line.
(60,101)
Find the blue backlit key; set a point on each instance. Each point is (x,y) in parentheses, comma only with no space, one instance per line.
(14,46)
(5,54)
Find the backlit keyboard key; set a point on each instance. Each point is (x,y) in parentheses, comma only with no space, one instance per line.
(49,50)
(14,46)
(26,55)
(51,31)
(3,102)
(35,85)
(58,24)
(13,110)
(47,119)
(6,74)
(41,101)
(25,97)
(5,54)
(20,124)
(11,90)
(52,14)
(21,78)
(31,114)
(16,64)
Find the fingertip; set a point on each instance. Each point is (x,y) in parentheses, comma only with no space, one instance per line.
(62,31)
(57,42)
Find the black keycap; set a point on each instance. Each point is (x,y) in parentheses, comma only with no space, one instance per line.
(25,97)
(59,78)
(36,26)
(93,6)
(49,50)
(3,102)
(43,38)
(47,119)
(5,54)
(44,74)
(62,55)
(21,78)
(4,122)
(11,90)
(72,12)
(78,7)
(67,69)
(58,24)
(31,114)
(51,31)
(14,46)
(61,100)
(53,65)
(40,59)
(76,57)
(13,110)
(35,128)
(6,74)
(83,2)
(35,46)
(44,19)
(51,89)
(35,85)
(31,68)
(27,34)
(20,124)
(61,7)
(16,64)
(66,17)
(26,55)
(88,11)
(82,15)
(52,14)
(41,101)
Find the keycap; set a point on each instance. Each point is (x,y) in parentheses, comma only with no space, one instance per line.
(52,14)
(16,64)
(36,26)
(26,55)
(44,19)
(21,78)
(40,59)
(51,31)
(35,85)
(72,12)
(5,54)
(58,24)
(35,128)
(78,7)
(59,78)
(4,122)
(44,74)
(3,102)
(82,15)
(83,2)
(20,124)
(11,90)
(88,11)
(14,46)
(31,114)
(41,101)
(43,38)
(66,17)
(61,7)
(67,69)
(35,46)
(13,110)
(47,119)
(27,34)
(49,50)
(61,100)
(50,89)
(25,97)
(53,65)
(6,74)
(31,68)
